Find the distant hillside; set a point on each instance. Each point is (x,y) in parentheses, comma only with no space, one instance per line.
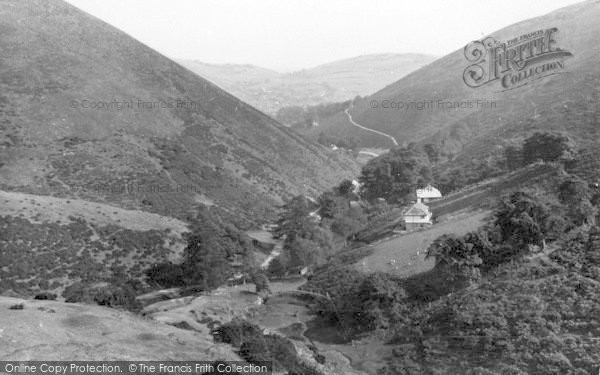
(567,102)
(333,82)
(88,112)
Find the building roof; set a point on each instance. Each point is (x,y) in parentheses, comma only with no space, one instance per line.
(428,192)
(418,209)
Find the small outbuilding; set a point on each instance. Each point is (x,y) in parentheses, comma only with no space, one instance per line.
(428,193)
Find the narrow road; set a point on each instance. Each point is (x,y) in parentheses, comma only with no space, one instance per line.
(264,235)
(365,128)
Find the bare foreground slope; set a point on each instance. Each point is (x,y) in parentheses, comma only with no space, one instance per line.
(46,330)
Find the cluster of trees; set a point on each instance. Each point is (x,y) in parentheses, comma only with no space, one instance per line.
(581,200)
(336,210)
(315,230)
(522,223)
(207,259)
(347,142)
(306,241)
(548,147)
(453,179)
(357,302)
(304,117)
(395,175)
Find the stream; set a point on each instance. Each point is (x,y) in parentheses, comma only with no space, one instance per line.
(283,313)
(290,316)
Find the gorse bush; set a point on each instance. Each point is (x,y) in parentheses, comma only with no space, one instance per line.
(45,296)
(256,347)
(111,295)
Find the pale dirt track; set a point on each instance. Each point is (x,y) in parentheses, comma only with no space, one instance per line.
(368,129)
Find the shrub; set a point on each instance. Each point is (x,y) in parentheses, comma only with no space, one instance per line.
(110,295)
(256,347)
(114,296)
(45,296)
(345,226)
(236,332)
(167,275)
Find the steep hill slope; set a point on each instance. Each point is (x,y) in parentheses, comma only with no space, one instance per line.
(333,82)
(88,112)
(566,101)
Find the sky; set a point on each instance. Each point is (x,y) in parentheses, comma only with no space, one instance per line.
(288,35)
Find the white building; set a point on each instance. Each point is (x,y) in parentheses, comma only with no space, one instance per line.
(428,193)
(417,216)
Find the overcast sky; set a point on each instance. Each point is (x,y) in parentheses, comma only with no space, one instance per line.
(287,35)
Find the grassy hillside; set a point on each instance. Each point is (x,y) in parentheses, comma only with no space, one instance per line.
(48,243)
(55,331)
(565,102)
(88,112)
(333,82)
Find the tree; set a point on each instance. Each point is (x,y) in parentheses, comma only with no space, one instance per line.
(375,302)
(206,261)
(451,180)
(452,252)
(294,221)
(276,267)
(544,146)
(345,187)
(261,282)
(303,252)
(329,203)
(345,226)
(522,220)
(573,191)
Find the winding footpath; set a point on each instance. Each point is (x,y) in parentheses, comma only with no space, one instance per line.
(346,111)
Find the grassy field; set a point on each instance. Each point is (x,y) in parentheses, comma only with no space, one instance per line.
(405,255)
